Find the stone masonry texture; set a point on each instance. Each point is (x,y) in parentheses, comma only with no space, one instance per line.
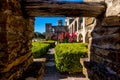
(16,33)
(105,44)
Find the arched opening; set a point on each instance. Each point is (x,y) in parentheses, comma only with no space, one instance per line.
(80,38)
(76,25)
(72,28)
(87,36)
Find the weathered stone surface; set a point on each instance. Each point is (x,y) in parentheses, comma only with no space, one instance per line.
(53,8)
(19,60)
(12,5)
(99,72)
(111,21)
(101,31)
(113,7)
(105,53)
(94,0)
(89,21)
(105,44)
(16,71)
(108,63)
(104,50)
(3,37)
(16,33)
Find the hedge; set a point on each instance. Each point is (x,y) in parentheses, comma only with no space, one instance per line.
(67,56)
(52,43)
(39,49)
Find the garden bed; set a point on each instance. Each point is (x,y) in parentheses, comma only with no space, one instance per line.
(67,56)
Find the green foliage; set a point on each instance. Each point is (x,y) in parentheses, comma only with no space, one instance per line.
(39,49)
(39,35)
(67,56)
(52,43)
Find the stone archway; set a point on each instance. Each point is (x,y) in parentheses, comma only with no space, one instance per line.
(87,37)
(75,25)
(80,38)
(72,28)
(16,22)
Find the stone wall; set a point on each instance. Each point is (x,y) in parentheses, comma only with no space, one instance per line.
(16,33)
(105,45)
(48,33)
(53,31)
(113,7)
(90,22)
(104,51)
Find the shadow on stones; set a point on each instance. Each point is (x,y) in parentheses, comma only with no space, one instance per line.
(32,71)
(76,75)
(98,71)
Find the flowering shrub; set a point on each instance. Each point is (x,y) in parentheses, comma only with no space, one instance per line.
(66,37)
(72,37)
(54,37)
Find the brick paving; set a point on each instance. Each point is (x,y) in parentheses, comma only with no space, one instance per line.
(51,72)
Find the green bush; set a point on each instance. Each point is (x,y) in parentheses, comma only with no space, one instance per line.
(52,43)
(67,56)
(39,49)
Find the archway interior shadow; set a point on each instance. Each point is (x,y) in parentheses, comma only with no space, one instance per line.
(51,8)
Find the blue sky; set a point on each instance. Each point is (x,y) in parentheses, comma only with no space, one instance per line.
(39,25)
(41,21)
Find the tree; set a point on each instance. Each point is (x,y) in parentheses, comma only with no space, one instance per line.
(39,35)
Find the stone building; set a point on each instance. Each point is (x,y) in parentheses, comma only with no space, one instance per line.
(52,31)
(82,26)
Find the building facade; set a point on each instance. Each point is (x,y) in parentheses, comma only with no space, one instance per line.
(81,26)
(55,31)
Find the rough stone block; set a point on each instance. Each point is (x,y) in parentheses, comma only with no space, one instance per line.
(17,70)
(113,65)
(107,54)
(111,21)
(15,62)
(101,31)
(98,71)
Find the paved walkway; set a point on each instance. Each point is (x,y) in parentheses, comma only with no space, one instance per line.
(52,74)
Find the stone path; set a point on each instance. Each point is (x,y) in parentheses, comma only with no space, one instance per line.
(52,74)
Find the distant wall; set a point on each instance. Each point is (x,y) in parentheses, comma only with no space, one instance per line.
(16,33)
(54,30)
